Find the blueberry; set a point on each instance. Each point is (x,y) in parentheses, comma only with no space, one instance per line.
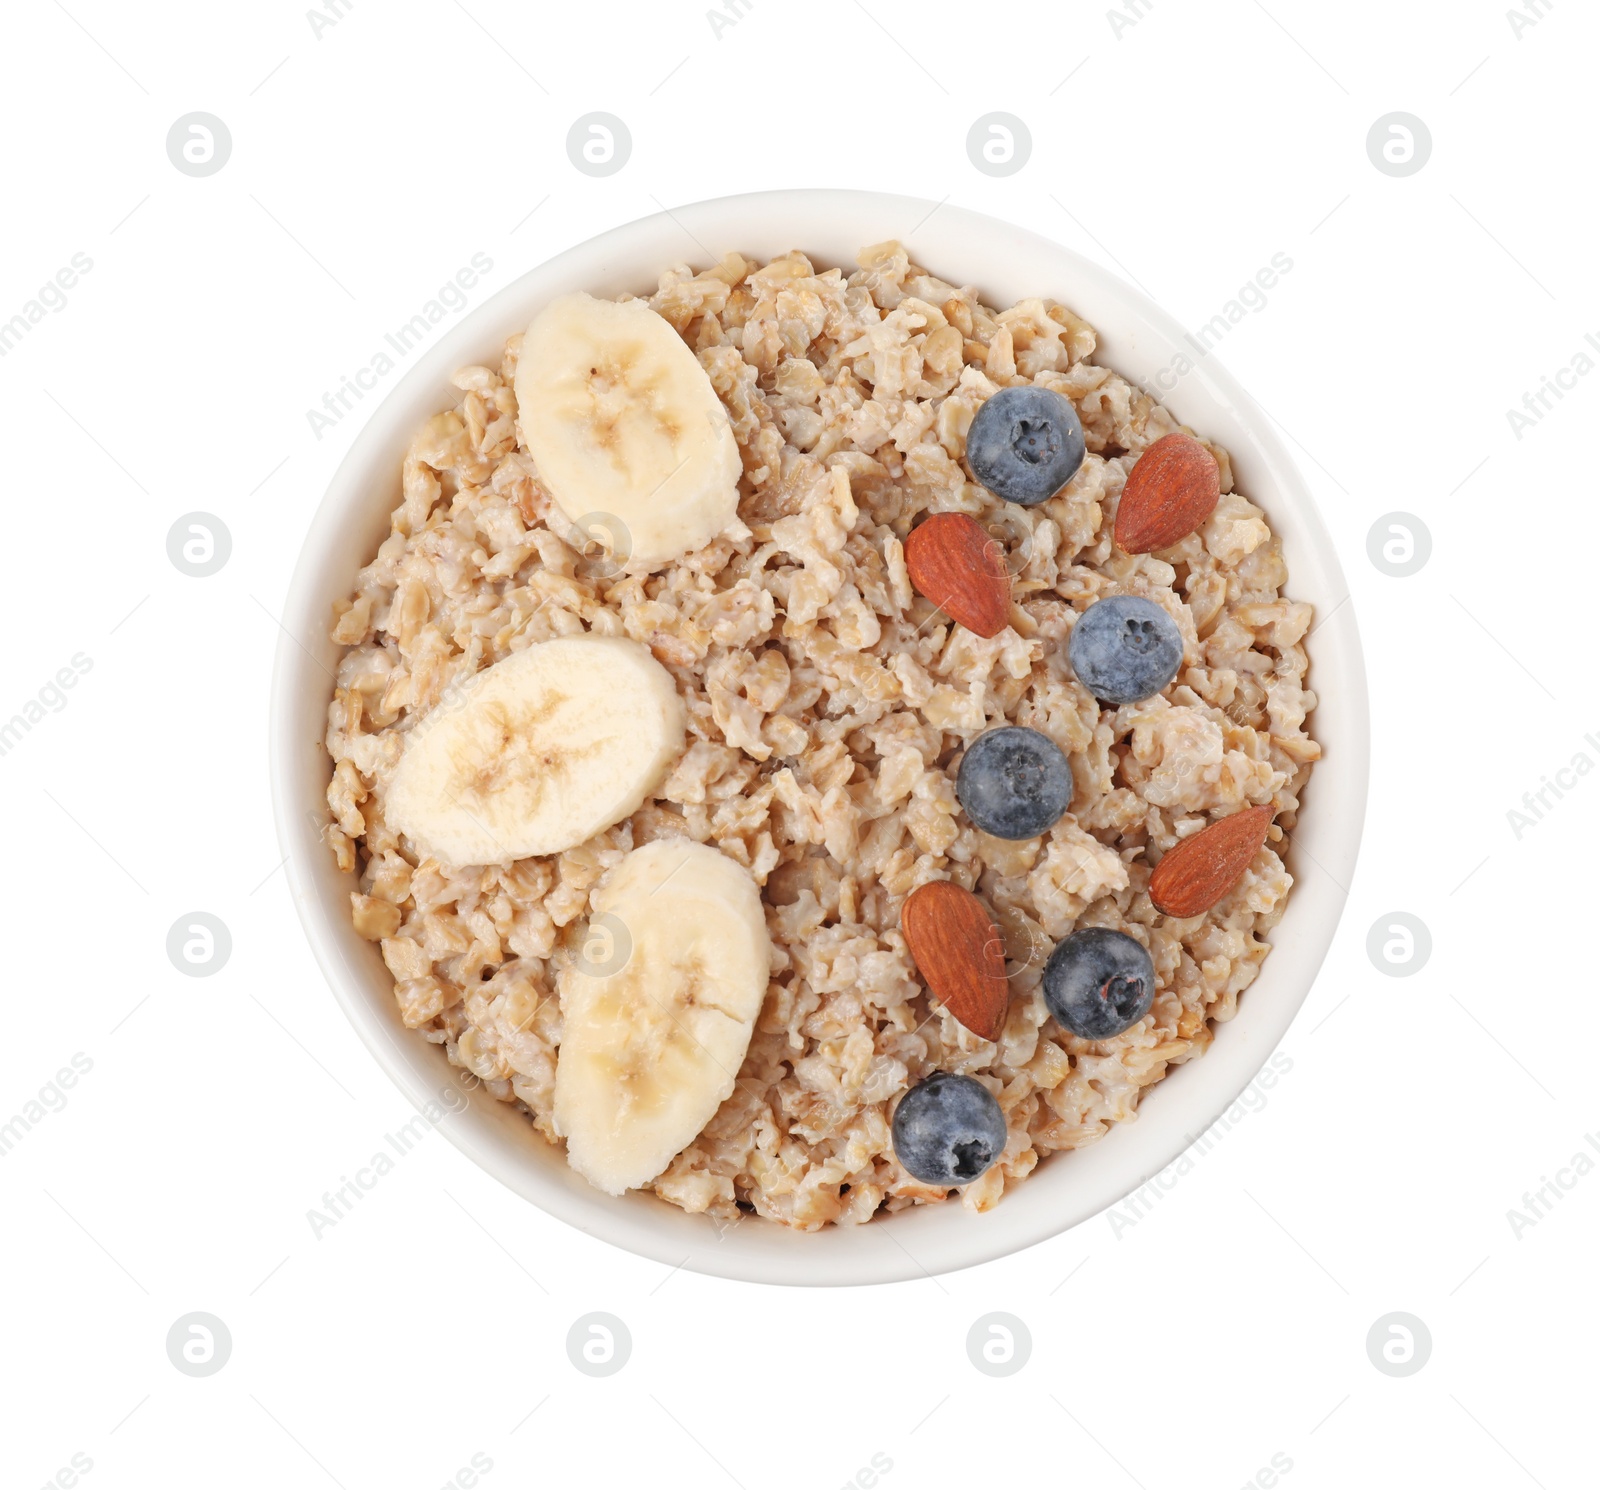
(1014,782)
(948,1129)
(1125,648)
(1025,444)
(1098,983)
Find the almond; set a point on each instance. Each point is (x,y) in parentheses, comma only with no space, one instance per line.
(959,952)
(1172,488)
(1196,874)
(961,569)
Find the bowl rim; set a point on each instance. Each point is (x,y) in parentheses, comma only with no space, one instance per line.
(639,1222)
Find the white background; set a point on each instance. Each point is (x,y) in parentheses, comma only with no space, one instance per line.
(369,163)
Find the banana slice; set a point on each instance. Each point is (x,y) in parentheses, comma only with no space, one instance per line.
(654,1032)
(538,752)
(623,423)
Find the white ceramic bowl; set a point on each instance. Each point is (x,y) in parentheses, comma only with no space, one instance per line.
(1138,340)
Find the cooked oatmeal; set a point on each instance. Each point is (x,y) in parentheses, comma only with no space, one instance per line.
(828,708)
